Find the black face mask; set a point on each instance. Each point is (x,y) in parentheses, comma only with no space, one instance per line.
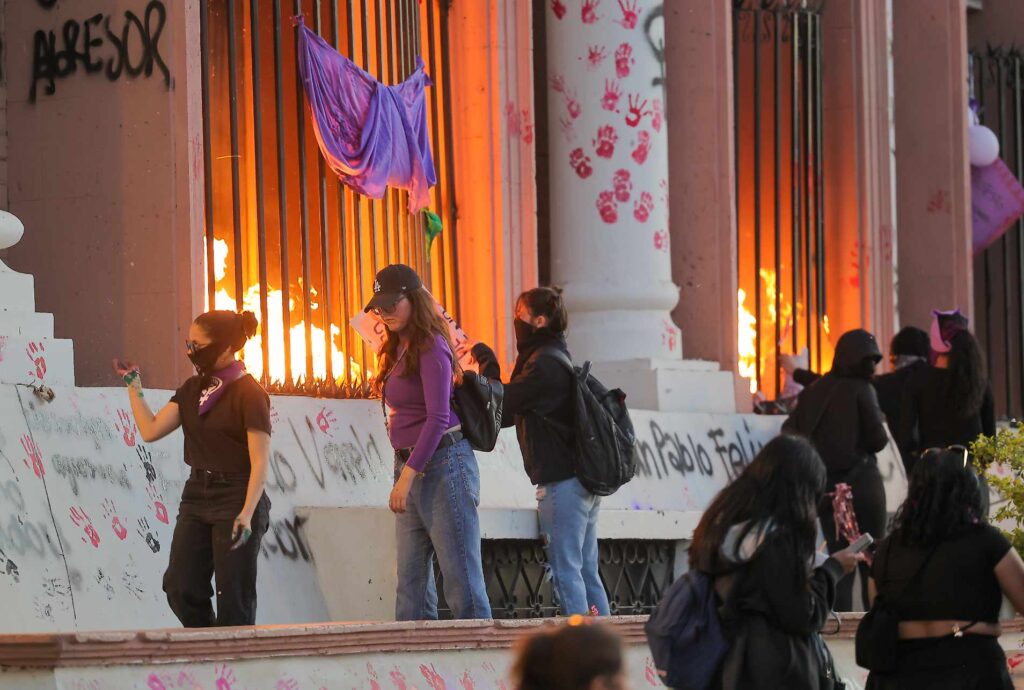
(523,330)
(205,358)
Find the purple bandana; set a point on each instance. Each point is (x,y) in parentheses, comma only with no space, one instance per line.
(219,382)
(945,325)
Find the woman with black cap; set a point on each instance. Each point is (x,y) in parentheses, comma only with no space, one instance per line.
(437,480)
(839,413)
(224,513)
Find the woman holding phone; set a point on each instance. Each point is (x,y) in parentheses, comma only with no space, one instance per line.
(224,414)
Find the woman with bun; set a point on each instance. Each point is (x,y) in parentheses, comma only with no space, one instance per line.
(224,414)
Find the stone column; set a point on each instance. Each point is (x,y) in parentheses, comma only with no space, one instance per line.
(609,204)
(932,165)
(609,177)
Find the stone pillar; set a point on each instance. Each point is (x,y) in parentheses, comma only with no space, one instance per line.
(609,178)
(609,204)
(29,354)
(932,170)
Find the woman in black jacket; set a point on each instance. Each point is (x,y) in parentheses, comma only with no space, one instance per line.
(538,400)
(839,413)
(757,539)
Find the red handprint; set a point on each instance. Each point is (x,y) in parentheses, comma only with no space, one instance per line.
(433,678)
(642,207)
(595,56)
(325,420)
(35,351)
(573,106)
(651,673)
(661,240)
(637,110)
(110,513)
(287,684)
(225,677)
(622,185)
(568,128)
(527,126)
(34,461)
(580,162)
(605,141)
(467,682)
(558,7)
(612,93)
(159,509)
(607,207)
(81,519)
(656,114)
(629,13)
(126,425)
(668,337)
(588,12)
(624,60)
(643,146)
(398,678)
(154,682)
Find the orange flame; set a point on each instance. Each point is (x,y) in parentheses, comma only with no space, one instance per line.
(252,354)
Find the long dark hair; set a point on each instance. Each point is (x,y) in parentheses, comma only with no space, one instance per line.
(424,324)
(229,328)
(547,302)
(567,658)
(943,499)
(783,484)
(967,369)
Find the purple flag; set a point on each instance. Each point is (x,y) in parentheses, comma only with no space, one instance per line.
(371,135)
(997,201)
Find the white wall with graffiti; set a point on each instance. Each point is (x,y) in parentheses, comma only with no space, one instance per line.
(87,508)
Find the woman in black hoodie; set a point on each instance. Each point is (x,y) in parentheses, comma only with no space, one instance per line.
(840,414)
(539,401)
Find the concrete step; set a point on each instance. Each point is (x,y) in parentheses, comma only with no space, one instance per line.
(26,324)
(17,291)
(38,361)
(671,385)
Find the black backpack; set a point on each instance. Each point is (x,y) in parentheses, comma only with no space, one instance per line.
(605,442)
(478,402)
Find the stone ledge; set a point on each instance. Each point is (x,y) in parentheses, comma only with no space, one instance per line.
(138,647)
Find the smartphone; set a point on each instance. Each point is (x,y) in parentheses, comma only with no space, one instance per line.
(862,543)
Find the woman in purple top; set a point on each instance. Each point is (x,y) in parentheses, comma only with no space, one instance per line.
(437,480)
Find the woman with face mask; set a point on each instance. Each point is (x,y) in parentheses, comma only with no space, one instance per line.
(437,480)
(538,400)
(224,414)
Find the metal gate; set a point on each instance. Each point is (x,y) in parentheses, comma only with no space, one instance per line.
(284,238)
(779,186)
(997,83)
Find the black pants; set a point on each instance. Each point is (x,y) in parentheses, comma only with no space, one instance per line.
(973,662)
(869,504)
(200,550)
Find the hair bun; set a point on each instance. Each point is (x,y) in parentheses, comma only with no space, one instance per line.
(249,324)
(558,289)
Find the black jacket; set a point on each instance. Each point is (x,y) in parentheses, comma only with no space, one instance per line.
(930,419)
(538,400)
(890,392)
(839,412)
(770,616)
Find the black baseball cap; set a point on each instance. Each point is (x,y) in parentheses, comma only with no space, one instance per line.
(392,284)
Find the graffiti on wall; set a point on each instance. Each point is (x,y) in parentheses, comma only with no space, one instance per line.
(116,47)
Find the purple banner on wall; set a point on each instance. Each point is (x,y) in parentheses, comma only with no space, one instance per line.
(997,201)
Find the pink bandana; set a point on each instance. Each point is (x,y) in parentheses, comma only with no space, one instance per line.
(945,325)
(219,382)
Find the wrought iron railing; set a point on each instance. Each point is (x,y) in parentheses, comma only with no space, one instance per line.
(997,83)
(635,573)
(284,238)
(779,184)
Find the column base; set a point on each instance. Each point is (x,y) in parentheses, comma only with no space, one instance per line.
(670,385)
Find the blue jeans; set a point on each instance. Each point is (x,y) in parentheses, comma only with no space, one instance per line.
(568,528)
(441,518)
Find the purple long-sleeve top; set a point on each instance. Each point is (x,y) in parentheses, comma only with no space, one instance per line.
(420,406)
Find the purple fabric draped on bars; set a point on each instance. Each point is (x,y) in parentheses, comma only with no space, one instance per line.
(372,135)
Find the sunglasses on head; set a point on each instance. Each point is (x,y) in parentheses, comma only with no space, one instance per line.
(382,311)
(953,449)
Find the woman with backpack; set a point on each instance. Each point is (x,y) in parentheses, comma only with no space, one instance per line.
(757,541)
(437,480)
(943,572)
(539,401)
(841,416)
